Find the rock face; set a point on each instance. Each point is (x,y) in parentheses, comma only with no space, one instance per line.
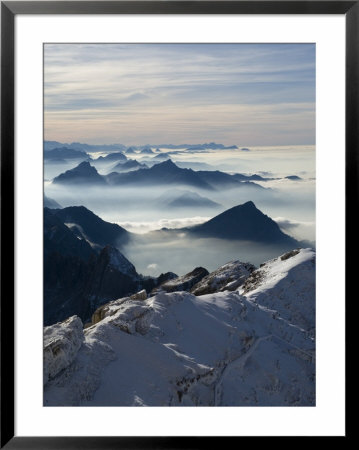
(185,282)
(228,277)
(78,278)
(62,341)
(59,239)
(219,349)
(110,308)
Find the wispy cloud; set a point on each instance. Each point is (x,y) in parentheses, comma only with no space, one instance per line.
(258,94)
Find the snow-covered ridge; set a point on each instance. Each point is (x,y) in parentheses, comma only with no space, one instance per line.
(177,349)
(226,278)
(287,285)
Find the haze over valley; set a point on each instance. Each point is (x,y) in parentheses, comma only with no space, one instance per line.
(142,202)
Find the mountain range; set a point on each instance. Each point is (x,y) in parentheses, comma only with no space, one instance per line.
(164,173)
(63,153)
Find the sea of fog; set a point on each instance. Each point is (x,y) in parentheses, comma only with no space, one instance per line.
(141,210)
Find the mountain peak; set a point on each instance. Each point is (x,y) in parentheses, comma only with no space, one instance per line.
(166,165)
(248,204)
(245,222)
(84,164)
(83,173)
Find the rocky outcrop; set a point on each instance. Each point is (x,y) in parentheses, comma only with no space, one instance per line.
(62,341)
(141,295)
(112,307)
(183,283)
(228,277)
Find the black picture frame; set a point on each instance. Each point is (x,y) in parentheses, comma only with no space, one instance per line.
(9,9)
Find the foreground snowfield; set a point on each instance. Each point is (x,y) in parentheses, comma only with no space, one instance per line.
(250,347)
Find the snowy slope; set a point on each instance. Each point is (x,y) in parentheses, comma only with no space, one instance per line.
(287,285)
(176,349)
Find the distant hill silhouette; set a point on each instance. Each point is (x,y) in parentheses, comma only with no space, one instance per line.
(168,173)
(118,156)
(84,173)
(63,153)
(129,165)
(186,199)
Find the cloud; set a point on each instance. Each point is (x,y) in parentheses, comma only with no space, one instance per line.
(289,223)
(259,94)
(145,227)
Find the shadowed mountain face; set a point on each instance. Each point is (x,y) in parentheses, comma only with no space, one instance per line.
(77,279)
(244,222)
(84,173)
(86,224)
(58,238)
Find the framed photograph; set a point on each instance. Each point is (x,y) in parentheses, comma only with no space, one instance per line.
(174,187)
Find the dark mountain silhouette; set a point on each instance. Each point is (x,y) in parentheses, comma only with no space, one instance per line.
(77,279)
(185,199)
(130,164)
(131,150)
(92,227)
(49,145)
(242,177)
(162,157)
(63,153)
(244,222)
(212,146)
(220,179)
(168,173)
(118,156)
(59,238)
(84,173)
(163,173)
(147,151)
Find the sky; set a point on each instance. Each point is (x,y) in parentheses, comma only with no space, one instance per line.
(136,94)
